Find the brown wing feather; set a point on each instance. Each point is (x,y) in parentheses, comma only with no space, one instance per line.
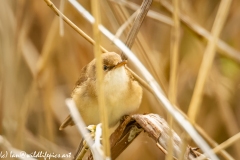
(83,77)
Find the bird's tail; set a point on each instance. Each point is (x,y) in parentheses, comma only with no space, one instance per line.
(67,122)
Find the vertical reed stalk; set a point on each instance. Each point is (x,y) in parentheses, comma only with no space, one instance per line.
(99,64)
(173,70)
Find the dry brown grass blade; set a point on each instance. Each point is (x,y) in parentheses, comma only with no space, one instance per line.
(126,24)
(222,46)
(208,59)
(225,154)
(45,74)
(8,67)
(1,105)
(174,54)
(208,138)
(31,56)
(223,96)
(152,14)
(22,119)
(224,145)
(48,45)
(61,24)
(227,143)
(78,30)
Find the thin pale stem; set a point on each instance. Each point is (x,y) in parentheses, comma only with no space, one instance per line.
(227,143)
(61,25)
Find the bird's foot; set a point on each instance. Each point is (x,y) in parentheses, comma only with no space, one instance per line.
(96,133)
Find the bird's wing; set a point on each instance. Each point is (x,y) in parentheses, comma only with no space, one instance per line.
(83,78)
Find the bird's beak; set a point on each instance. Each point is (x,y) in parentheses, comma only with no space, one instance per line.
(121,64)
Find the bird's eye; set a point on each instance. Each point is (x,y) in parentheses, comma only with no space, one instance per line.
(105,67)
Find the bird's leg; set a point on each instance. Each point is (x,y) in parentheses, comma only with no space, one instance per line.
(82,149)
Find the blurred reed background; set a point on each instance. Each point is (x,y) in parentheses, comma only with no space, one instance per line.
(39,68)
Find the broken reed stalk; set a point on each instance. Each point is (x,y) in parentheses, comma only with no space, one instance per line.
(156,128)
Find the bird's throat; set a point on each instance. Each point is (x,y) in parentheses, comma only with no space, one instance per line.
(116,80)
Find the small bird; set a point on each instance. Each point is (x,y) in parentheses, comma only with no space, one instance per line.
(122,92)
